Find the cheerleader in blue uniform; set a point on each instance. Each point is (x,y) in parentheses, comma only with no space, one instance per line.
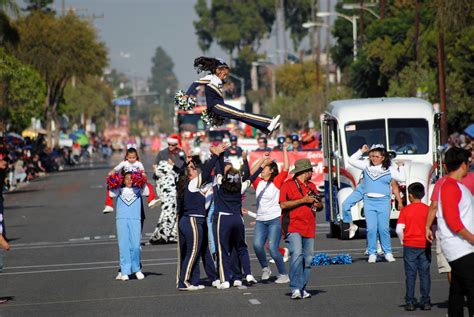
(216,108)
(192,187)
(229,224)
(375,190)
(128,220)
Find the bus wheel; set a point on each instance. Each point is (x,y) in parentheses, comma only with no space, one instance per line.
(334,230)
(344,231)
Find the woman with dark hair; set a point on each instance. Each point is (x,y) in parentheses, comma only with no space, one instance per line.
(268,225)
(216,108)
(228,224)
(191,188)
(375,188)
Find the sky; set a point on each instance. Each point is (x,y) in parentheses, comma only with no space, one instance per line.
(133,29)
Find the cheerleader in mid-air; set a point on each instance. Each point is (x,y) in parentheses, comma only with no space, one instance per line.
(217,110)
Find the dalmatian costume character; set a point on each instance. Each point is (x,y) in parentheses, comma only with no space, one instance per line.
(166,174)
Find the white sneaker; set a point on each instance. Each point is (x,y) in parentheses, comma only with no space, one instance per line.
(306,294)
(266,273)
(286,255)
(224,285)
(389,257)
(119,276)
(352,230)
(366,252)
(273,124)
(139,275)
(108,209)
(372,258)
(124,277)
(296,294)
(251,279)
(237,283)
(201,286)
(216,283)
(154,203)
(282,279)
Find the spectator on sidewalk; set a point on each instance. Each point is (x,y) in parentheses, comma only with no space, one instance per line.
(263,145)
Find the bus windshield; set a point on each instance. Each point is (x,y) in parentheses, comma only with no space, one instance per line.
(367,132)
(408,136)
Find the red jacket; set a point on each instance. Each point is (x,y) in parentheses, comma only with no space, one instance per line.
(300,219)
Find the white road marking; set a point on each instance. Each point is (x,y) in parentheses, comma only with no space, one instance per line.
(254,301)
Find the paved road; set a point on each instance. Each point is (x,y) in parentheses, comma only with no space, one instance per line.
(64,259)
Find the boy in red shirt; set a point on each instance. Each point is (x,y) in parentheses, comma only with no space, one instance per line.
(416,249)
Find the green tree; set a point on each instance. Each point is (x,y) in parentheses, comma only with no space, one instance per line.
(90,98)
(163,80)
(21,93)
(60,48)
(299,97)
(39,5)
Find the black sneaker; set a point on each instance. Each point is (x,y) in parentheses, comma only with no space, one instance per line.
(426,306)
(410,307)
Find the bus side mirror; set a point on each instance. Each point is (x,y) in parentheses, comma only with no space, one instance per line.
(392,154)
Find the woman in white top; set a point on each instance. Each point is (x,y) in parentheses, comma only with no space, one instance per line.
(378,174)
(268,225)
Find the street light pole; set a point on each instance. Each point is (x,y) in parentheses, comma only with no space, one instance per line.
(352,19)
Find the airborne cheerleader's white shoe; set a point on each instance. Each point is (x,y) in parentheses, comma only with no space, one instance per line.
(273,124)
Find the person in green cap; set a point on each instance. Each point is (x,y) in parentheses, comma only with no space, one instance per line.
(299,205)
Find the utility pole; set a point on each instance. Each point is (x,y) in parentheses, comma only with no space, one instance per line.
(326,94)
(283,28)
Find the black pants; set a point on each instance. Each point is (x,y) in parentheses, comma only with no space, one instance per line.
(462,284)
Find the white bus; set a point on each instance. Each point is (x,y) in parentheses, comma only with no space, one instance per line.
(407,127)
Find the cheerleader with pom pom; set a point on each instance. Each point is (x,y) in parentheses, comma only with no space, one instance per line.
(130,164)
(217,111)
(128,221)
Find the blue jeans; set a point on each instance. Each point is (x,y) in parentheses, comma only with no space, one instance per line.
(271,230)
(301,255)
(417,260)
(210,235)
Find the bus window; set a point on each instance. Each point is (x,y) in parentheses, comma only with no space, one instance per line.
(367,132)
(408,136)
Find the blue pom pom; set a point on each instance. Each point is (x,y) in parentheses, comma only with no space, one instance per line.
(321,259)
(341,259)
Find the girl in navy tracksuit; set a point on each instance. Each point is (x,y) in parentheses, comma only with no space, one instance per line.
(213,82)
(192,225)
(229,225)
